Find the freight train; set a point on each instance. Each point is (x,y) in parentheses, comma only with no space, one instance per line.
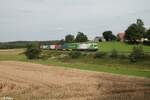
(72,46)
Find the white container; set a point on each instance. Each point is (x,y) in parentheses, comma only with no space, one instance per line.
(45,47)
(52,47)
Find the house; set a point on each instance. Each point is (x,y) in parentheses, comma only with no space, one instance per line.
(99,39)
(121,36)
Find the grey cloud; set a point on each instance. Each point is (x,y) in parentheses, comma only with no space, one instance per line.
(34,0)
(53,19)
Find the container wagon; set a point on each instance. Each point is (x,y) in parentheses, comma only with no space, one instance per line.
(72,46)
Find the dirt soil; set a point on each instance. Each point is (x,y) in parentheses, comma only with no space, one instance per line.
(28,81)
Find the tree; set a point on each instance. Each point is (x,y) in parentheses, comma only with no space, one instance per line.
(32,52)
(135,31)
(108,35)
(69,38)
(147,34)
(81,37)
(62,41)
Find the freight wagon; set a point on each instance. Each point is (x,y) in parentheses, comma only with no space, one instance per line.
(72,46)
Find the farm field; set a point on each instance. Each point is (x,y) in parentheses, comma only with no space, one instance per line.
(28,81)
(84,78)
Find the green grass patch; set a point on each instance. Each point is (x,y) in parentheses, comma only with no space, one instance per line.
(100,68)
(119,46)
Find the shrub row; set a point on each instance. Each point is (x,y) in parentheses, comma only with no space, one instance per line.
(137,54)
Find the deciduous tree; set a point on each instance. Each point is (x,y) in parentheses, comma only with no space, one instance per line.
(135,31)
(69,38)
(81,37)
(109,36)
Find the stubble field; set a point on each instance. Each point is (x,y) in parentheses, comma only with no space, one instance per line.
(28,81)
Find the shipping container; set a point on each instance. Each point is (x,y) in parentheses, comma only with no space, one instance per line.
(52,47)
(49,46)
(57,47)
(44,46)
(64,46)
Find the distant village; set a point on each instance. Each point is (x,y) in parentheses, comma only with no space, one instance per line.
(120,36)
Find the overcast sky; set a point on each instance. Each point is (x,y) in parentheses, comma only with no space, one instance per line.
(53,19)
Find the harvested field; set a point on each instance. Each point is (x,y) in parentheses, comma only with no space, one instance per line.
(11,51)
(28,81)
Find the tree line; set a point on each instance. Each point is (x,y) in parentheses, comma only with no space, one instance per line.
(135,33)
(24,44)
(81,37)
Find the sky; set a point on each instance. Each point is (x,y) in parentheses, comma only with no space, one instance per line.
(53,19)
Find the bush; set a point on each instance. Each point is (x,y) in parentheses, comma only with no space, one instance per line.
(136,54)
(99,54)
(75,54)
(147,56)
(122,56)
(85,54)
(32,52)
(114,53)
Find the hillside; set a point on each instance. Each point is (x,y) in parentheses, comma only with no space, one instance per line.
(119,46)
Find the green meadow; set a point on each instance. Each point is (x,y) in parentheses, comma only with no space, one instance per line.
(120,47)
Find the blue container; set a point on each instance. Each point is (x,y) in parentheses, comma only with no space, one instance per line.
(49,46)
(64,46)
